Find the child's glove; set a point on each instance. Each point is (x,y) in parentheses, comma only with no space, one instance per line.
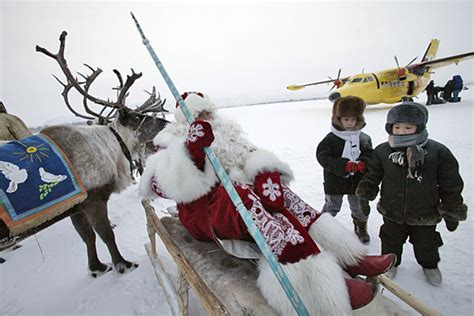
(200,135)
(268,187)
(360,166)
(364,206)
(451,225)
(353,167)
(350,167)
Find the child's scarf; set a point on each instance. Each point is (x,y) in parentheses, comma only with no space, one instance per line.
(415,154)
(351,149)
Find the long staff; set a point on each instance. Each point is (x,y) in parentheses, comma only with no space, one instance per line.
(229,187)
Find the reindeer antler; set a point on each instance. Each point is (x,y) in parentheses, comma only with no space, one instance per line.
(152,104)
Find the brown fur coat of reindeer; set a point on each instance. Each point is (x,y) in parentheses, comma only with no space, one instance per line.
(102,155)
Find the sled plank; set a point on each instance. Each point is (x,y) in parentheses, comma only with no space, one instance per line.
(225,285)
(407,297)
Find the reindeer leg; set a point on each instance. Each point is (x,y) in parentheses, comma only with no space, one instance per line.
(99,220)
(84,229)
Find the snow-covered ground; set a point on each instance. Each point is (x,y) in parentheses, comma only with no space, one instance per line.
(48,274)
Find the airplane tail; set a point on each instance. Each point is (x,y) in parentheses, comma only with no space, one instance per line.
(431,51)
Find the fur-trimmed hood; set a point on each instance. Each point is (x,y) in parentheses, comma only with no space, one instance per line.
(349,106)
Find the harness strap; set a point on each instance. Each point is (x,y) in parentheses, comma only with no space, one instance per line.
(125,150)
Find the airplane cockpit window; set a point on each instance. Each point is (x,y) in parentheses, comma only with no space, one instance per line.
(370,79)
(365,80)
(356,80)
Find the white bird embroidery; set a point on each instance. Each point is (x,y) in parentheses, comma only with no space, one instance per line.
(13,173)
(49,177)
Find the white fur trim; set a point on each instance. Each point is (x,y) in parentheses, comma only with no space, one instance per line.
(196,105)
(177,175)
(262,160)
(318,280)
(333,237)
(170,134)
(144,186)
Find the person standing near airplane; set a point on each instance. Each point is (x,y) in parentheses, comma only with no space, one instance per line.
(430,93)
(457,87)
(421,185)
(448,91)
(343,154)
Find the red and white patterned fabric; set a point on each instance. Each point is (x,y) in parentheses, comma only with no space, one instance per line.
(268,187)
(200,135)
(214,215)
(155,186)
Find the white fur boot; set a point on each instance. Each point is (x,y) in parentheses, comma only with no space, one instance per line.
(318,280)
(341,242)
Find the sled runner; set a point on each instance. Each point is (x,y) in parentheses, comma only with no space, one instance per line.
(226,285)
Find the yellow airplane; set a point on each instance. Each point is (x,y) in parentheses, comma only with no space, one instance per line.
(391,85)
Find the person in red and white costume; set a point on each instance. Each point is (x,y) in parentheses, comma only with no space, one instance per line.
(314,249)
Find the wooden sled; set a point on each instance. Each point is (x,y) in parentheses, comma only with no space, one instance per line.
(224,284)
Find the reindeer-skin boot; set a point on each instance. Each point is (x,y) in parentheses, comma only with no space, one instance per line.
(360,228)
(373,265)
(360,292)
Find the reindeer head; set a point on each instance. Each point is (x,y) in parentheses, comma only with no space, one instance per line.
(136,126)
(145,126)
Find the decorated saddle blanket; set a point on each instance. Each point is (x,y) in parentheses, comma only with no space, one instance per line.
(37,183)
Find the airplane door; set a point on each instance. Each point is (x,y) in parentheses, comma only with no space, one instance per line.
(411,87)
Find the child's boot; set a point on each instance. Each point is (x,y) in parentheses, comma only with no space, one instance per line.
(360,228)
(433,276)
(372,265)
(360,292)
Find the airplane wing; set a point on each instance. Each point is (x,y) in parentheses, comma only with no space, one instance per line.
(298,87)
(436,63)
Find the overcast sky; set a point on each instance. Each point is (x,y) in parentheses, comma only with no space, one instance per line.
(235,52)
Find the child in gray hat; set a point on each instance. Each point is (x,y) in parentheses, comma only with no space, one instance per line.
(421,185)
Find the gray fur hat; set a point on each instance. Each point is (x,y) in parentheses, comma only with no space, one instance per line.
(407,112)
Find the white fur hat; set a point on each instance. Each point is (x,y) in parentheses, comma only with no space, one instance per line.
(197,102)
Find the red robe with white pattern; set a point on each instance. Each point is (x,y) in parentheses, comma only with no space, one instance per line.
(210,213)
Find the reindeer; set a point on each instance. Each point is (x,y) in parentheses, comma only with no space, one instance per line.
(103,154)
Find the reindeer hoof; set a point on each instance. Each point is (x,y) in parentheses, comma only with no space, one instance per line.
(97,273)
(123,267)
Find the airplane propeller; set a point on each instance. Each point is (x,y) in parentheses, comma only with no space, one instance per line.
(337,82)
(401,71)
